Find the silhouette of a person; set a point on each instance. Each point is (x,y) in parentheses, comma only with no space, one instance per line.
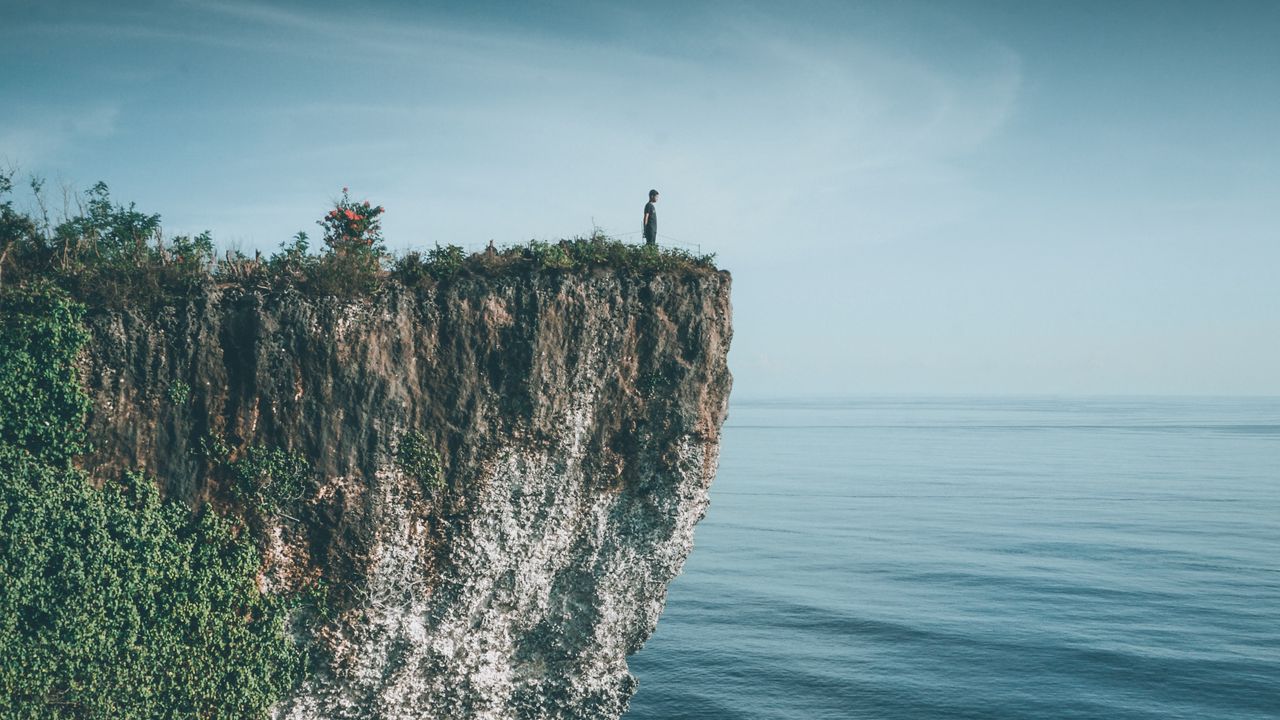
(651,219)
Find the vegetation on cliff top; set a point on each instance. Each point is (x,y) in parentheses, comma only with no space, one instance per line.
(107,254)
(114,603)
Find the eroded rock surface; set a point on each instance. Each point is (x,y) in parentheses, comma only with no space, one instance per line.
(577,416)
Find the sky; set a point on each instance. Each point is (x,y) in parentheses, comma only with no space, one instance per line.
(1025,197)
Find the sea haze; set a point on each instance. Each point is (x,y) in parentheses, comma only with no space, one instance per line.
(981,558)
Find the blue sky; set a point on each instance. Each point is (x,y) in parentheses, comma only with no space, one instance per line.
(914,197)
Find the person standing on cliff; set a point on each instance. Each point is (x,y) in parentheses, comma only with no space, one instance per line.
(651,219)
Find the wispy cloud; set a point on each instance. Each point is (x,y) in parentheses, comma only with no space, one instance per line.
(726,104)
(44,135)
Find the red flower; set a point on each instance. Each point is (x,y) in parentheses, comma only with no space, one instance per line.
(351,215)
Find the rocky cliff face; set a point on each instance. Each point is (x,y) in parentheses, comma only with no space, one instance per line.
(577,419)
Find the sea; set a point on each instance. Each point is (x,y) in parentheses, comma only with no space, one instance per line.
(1048,558)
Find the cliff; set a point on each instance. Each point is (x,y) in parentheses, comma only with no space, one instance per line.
(567,430)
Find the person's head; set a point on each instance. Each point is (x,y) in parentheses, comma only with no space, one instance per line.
(653,196)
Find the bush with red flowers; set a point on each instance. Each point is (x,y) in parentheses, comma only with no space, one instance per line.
(353,264)
(352,228)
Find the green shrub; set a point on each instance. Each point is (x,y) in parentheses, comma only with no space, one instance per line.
(344,275)
(550,256)
(418,458)
(214,448)
(292,263)
(19,233)
(443,262)
(270,479)
(410,269)
(178,392)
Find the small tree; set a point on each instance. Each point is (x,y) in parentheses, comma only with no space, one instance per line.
(352,228)
(352,264)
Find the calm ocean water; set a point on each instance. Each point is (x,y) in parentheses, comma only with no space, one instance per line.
(981,558)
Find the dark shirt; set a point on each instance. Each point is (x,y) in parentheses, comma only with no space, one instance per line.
(651,227)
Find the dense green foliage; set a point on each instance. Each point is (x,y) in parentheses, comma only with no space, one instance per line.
(418,458)
(266,479)
(270,478)
(104,254)
(42,408)
(108,254)
(113,602)
(580,253)
(118,605)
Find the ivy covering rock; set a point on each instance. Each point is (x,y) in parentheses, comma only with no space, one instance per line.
(114,603)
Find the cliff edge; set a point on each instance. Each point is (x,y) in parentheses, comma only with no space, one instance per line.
(499,475)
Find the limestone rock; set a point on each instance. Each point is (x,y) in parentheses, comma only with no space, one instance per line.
(577,419)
